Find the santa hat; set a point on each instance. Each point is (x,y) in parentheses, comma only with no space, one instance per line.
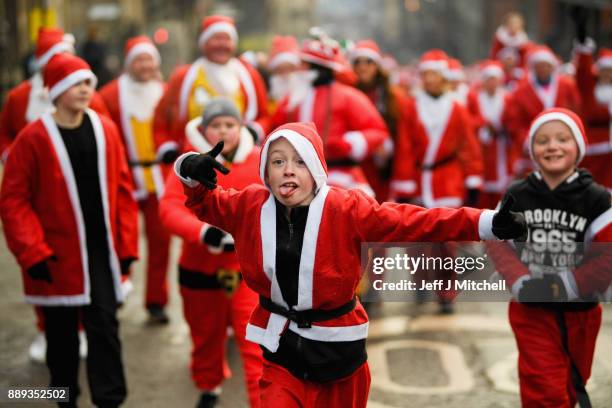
(491,68)
(434,60)
(541,53)
(51,41)
(212,25)
(285,49)
(65,70)
(140,45)
(604,60)
(304,137)
(366,49)
(455,70)
(324,53)
(566,116)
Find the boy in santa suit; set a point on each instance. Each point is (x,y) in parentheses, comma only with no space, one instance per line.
(555,314)
(131,100)
(298,242)
(487,102)
(29,100)
(351,127)
(284,60)
(70,220)
(542,88)
(217,72)
(214,294)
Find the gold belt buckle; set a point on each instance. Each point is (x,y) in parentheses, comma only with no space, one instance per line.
(229,280)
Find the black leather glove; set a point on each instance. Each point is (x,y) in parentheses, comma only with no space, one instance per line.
(579,16)
(217,240)
(201,167)
(549,288)
(41,271)
(125,265)
(472,197)
(170,156)
(509,224)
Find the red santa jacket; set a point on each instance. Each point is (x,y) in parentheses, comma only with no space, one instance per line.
(24,104)
(179,220)
(487,112)
(118,103)
(439,157)
(171,114)
(351,128)
(41,211)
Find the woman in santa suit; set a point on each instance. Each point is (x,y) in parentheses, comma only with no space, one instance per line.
(214,294)
(298,242)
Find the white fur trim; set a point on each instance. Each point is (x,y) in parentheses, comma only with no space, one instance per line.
(142,48)
(72,79)
(485,225)
(492,71)
(598,224)
(509,40)
(595,149)
(292,58)
(220,27)
(578,136)
(403,186)
(604,63)
(177,170)
(454,75)
(542,56)
(165,147)
(358,143)
(473,181)
(434,65)
(321,61)
(365,53)
(303,147)
(62,46)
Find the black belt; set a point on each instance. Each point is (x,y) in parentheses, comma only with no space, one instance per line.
(341,163)
(227,280)
(305,318)
(437,164)
(143,163)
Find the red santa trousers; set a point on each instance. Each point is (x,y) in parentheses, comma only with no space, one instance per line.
(544,367)
(279,388)
(209,312)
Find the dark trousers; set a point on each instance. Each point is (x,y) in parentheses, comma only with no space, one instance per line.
(104,366)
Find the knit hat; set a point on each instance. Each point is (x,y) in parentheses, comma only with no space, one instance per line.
(212,25)
(323,53)
(435,60)
(285,49)
(366,49)
(308,144)
(219,106)
(65,70)
(51,41)
(566,116)
(491,68)
(140,45)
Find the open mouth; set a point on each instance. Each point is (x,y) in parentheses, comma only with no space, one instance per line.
(286,189)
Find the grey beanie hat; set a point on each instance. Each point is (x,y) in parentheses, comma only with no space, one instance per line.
(219,106)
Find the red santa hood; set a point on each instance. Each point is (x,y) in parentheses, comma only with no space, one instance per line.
(307,142)
(566,116)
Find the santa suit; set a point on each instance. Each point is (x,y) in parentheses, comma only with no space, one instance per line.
(26,103)
(597,119)
(131,105)
(487,112)
(327,272)
(527,101)
(503,39)
(191,86)
(207,307)
(351,128)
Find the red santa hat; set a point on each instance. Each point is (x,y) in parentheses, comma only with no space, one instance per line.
(366,49)
(434,60)
(51,41)
(491,69)
(324,53)
(140,45)
(604,60)
(455,70)
(541,53)
(65,70)
(308,144)
(285,49)
(567,117)
(212,25)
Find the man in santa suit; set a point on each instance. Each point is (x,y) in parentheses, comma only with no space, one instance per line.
(131,100)
(217,72)
(487,102)
(511,34)
(70,220)
(29,100)
(284,60)
(441,162)
(542,88)
(214,294)
(513,73)
(594,82)
(455,75)
(351,127)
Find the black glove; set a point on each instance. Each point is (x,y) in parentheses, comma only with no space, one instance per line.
(125,265)
(201,167)
(549,288)
(509,224)
(170,156)
(217,240)
(579,16)
(40,271)
(472,197)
